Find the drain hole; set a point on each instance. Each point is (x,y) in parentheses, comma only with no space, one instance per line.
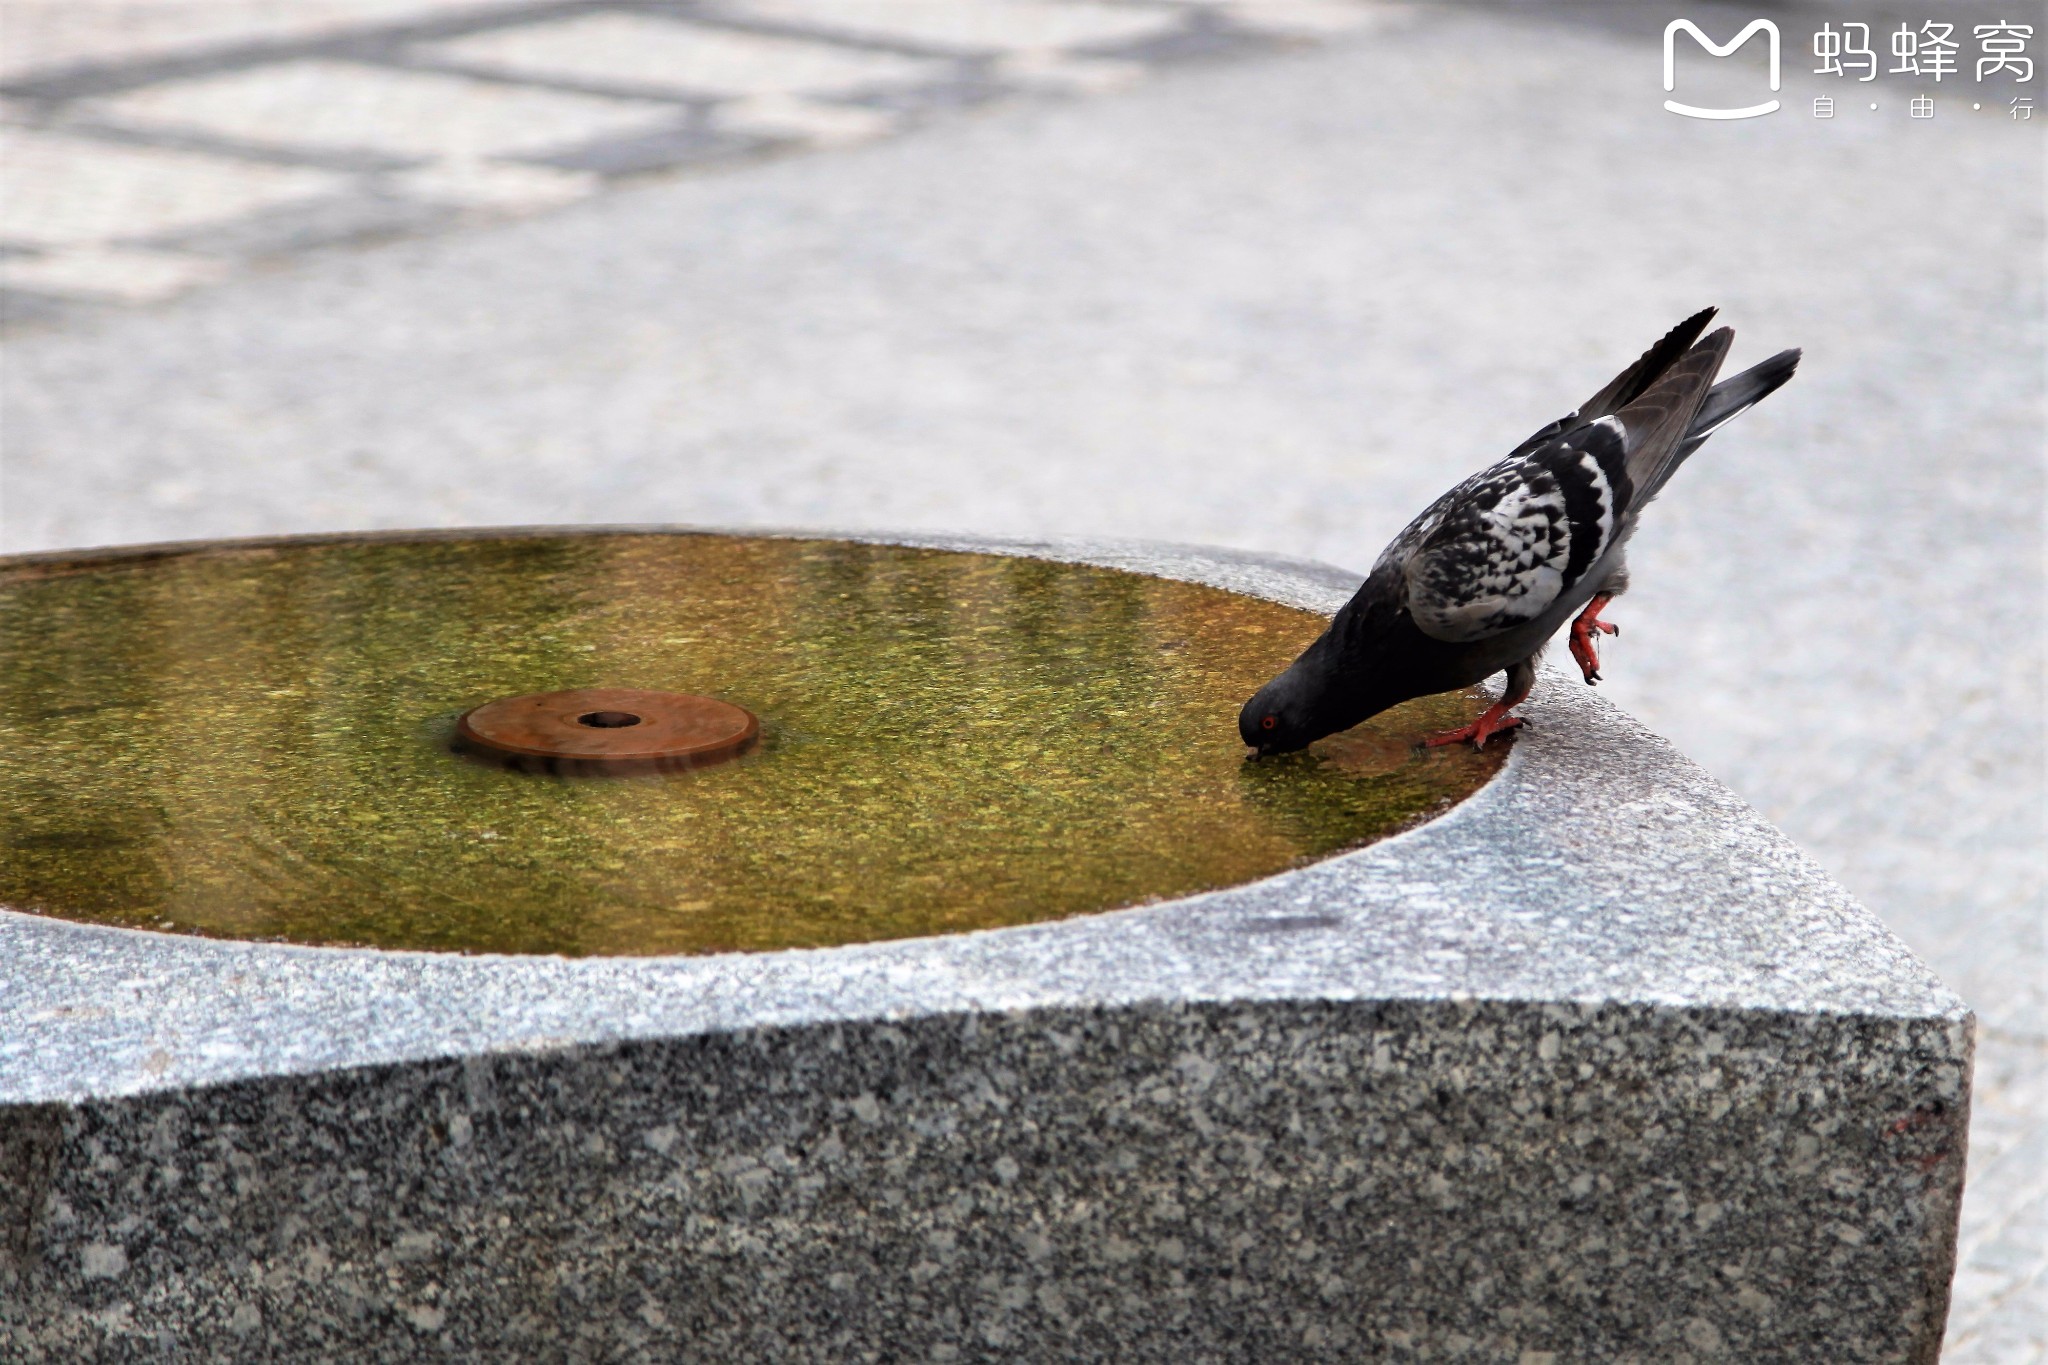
(607,720)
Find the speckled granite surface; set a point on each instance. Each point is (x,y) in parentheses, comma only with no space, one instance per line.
(1597,1064)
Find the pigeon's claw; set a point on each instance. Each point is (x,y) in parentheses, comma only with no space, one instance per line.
(1585,631)
(1494,720)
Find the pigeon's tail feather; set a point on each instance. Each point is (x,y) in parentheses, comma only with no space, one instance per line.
(1633,382)
(1731,398)
(1658,422)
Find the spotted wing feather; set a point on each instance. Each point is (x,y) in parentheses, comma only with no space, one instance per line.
(1496,551)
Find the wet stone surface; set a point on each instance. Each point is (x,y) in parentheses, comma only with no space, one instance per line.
(255,741)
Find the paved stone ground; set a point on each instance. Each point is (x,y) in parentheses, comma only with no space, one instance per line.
(1262,275)
(153,147)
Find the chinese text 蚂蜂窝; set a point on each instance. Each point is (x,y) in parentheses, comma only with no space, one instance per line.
(1929,50)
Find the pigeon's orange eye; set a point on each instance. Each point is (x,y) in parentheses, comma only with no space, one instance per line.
(1269,722)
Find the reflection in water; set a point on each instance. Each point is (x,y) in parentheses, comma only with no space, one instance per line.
(252,741)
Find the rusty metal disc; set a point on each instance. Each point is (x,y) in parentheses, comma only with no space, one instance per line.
(609,729)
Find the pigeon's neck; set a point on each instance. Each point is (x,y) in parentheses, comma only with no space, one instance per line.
(1359,666)
(1341,682)
(1359,634)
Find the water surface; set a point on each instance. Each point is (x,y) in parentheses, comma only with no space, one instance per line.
(252,741)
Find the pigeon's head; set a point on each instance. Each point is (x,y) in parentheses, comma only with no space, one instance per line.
(1282,717)
(1331,687)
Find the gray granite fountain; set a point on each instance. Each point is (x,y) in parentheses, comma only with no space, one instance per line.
(1594,1064)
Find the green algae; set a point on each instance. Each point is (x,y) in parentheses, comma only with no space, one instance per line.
(252,741)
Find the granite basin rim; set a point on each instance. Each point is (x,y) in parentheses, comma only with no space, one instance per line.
(1502,1047)
(1483,902)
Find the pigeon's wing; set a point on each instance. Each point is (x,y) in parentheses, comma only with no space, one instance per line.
(1496,551)
(1657,423)
(1631,384)
(1635,381)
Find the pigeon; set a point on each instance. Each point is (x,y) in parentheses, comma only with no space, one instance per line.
(1480,581)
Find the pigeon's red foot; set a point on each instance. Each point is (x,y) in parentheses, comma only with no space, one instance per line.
(1494,720)
(1585,631)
